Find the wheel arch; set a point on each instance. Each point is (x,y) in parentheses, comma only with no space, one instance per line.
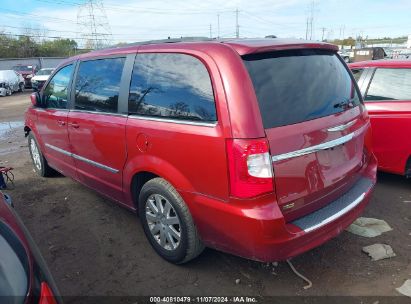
(143,168)
(27,131)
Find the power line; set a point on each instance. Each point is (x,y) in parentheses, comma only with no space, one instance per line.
(92,24)
(146,9)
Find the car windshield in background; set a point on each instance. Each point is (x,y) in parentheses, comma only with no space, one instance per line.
(23,68)
(45,72)
(299,85)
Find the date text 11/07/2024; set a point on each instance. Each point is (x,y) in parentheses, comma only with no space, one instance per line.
(235,299)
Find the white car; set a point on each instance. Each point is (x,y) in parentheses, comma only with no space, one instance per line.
(40,78)
(10,82)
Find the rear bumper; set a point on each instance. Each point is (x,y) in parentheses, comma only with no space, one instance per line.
(27,82)
(257,230)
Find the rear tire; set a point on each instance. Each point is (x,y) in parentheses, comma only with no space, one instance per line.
(39,162)
(21,87)
(167,222)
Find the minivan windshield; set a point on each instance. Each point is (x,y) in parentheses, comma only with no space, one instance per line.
(298,85)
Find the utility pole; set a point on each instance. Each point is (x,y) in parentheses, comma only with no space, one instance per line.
(211,31)
(323,29)
(306,30)
(310,21)
(237,27)
(218,25)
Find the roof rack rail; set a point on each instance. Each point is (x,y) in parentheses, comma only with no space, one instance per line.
(168,40)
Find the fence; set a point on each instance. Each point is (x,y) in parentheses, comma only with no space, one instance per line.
(41,62)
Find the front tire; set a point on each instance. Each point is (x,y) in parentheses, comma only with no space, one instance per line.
(39,162)
(21,87)
(167,222)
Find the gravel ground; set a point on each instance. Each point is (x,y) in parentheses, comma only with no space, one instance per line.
(94,247)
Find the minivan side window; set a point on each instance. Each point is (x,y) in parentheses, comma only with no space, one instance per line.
(390,84)
(175,86)
(98,85)
(55,94)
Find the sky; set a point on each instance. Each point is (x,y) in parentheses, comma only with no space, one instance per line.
(132,21)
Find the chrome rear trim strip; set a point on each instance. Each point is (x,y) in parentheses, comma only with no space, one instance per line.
(342,127)
(86,160)
(324,146)
(313,149)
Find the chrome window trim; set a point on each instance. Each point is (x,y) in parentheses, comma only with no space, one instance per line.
(54,109)
(86,160)
(340,213)
(324,146)
(183,122)
(97,112)
(342,127)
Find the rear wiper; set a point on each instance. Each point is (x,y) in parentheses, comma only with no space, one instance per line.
(346,104)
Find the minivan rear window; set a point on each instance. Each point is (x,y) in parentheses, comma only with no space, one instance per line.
(299,85)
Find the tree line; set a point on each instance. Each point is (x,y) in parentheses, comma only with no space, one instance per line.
(26,46)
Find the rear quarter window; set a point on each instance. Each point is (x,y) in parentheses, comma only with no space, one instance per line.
(174,86)
(299,85)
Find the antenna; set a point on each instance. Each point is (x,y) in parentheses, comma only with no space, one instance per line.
(92,25)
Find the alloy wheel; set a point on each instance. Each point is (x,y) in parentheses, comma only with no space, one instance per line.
(35,154)
(163,222)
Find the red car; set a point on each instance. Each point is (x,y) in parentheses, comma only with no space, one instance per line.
(24,277)
(27,71)
(386,87)
(259,148)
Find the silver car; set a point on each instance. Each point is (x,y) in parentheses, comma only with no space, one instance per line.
(10,82)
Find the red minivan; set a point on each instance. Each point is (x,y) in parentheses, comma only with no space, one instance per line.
(259,148)
(386,87)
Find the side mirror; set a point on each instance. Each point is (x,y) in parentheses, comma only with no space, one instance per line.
(35,99)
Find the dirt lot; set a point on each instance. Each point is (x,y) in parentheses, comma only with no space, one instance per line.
(94,247)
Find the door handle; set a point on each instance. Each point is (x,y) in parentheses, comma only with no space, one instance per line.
(74,125)
(61,123)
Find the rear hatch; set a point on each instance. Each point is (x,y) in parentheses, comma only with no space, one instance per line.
(314,123)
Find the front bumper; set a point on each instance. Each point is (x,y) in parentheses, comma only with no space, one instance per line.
(37,85)
(257,230)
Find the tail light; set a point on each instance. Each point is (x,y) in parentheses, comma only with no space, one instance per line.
(46,295)
(250,167)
